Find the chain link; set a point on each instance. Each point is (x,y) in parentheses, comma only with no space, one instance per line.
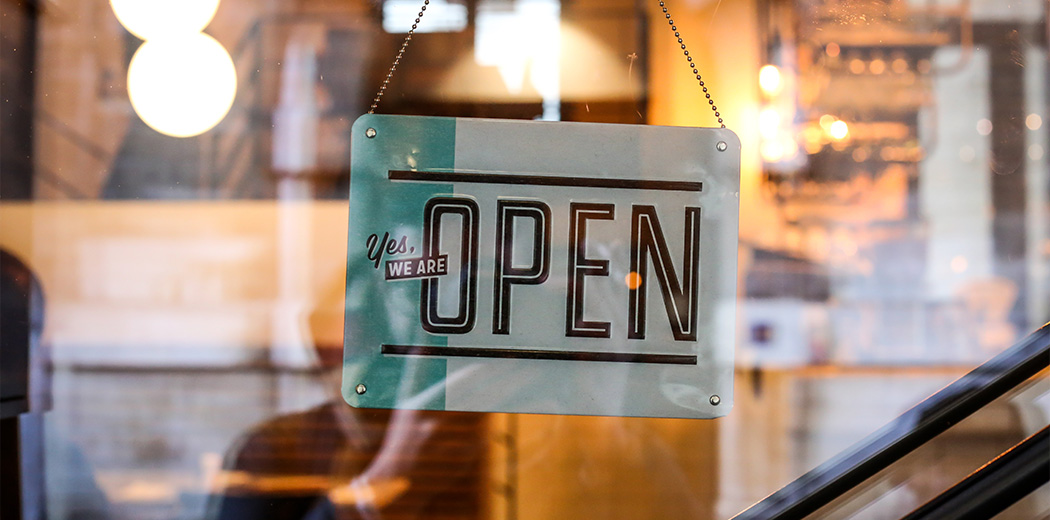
(692,64)
(670,21)
(397,60)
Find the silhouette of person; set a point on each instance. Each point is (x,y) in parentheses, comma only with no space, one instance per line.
(333,461)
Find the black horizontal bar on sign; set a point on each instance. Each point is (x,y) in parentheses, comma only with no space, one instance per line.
(554,355)
(545,180)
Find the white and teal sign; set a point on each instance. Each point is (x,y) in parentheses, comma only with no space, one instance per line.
(536,267)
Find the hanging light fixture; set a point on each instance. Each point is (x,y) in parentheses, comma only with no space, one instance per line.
(181,82)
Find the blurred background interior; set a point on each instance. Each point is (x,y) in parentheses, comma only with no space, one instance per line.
(181,196)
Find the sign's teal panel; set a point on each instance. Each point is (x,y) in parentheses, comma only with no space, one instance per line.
(536,267)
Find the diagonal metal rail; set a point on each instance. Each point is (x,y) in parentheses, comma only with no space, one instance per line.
(904,434)
(996,486)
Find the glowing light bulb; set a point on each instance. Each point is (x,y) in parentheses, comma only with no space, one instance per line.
(182,86)
(769,79)
(150,19)
(1033,121)
(826,120)
(633,280)
(984,127)
(839,130)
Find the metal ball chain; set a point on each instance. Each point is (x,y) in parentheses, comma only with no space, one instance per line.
(692,65)
(397,60)
(670,21)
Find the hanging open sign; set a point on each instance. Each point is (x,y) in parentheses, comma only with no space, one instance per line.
(520,266)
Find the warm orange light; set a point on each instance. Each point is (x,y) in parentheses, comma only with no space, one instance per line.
(813,139)
(633,280)
(772,151)
(832,49)
(839,130)
(826,120)
(769,79)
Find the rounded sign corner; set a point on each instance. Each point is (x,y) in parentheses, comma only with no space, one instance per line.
(723,409)
(730,138)
(361,122)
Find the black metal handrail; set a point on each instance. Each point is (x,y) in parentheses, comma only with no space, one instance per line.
(996,486)
(904,434)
